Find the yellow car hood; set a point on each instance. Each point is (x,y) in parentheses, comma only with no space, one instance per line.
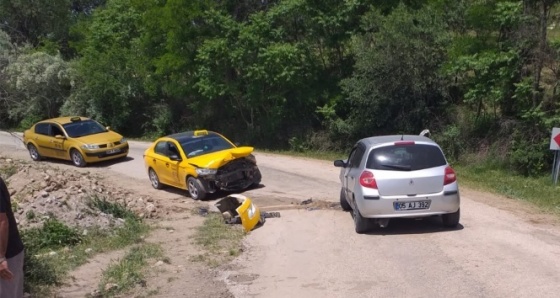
(100,138)
(217,159)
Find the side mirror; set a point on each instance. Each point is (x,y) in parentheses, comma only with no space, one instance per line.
(60,137)
(339,163)
(108,128)
(175,157)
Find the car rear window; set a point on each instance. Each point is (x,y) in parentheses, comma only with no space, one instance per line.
(405,157)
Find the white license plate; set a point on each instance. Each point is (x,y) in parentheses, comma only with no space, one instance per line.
(413,205)
(113,151)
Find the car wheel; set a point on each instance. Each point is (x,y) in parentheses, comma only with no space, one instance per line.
(154,179)
(451,220)
(77,158)
(361,224)
(195,188)
(34,153)
(343,202)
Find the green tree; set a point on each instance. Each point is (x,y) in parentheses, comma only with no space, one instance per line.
(111,72)
(38,84)
(397,86)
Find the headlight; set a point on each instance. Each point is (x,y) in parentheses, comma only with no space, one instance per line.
(123,140)
(251,211)
(90,146)
(206,171)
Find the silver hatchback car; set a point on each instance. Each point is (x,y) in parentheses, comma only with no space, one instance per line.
(398,176)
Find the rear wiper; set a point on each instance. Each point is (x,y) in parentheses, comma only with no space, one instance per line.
(398,167)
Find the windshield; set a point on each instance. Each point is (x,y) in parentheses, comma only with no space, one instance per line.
(405,158)
(203,145)
(83,128)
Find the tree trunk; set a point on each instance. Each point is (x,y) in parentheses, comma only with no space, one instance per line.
(544,8)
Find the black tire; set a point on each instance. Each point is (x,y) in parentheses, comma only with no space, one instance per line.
(195,189)
(33,152)
(361,224)
(257,177)
(154,179)
(343,202)
(451,220)
(77,158)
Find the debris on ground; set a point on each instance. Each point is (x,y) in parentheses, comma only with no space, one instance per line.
(202,211)
(270,214)
(41,192)
(238,209)
(307,202)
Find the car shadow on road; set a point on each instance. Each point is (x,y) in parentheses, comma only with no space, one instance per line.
(100,164)
(108,163)
(209,197)
(403,226)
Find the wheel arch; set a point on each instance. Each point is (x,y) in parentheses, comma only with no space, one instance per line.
(30,142)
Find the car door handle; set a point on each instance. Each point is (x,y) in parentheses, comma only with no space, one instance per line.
(167,164)
(154,160)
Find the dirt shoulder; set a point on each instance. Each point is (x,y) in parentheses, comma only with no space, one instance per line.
(56,189)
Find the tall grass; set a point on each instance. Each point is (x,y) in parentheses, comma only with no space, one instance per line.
(130,270)
(55,248)
(539,191)
(221,242)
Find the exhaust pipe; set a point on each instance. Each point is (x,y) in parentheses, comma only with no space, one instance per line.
(383,222)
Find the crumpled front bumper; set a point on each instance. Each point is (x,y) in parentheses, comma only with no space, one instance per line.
(240,206)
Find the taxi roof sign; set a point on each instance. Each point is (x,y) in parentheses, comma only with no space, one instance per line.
(75,119)
(201,132)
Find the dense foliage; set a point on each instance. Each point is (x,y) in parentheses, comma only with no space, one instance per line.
(482,75)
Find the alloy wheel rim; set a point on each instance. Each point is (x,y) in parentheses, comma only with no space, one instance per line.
(76,158)
(154,179)
(33,152)
(193,190)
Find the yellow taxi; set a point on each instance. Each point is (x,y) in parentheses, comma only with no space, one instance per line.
(201,162)
(78,139)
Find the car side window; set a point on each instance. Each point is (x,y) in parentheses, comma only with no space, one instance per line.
(172,149)
(351,156)
(161,148)
(357,156)
(42,129)
(55,130)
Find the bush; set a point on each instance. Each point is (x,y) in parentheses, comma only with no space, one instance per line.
(529,156)
(52,235)
(115,209)
(38,270)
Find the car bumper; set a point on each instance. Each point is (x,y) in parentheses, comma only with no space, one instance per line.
(105,154)
(384,207)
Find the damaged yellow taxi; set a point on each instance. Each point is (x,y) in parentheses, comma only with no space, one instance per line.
(201,162)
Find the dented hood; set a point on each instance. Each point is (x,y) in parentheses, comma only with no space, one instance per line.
(217,159)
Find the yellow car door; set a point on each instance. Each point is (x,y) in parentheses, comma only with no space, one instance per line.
(57,141)
(172,166)
(42,139)
(159,161)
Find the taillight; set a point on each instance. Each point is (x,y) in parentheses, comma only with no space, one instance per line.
(450,176)
(367,180)
(404,143)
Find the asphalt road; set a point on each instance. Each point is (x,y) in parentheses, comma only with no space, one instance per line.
(503,247)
